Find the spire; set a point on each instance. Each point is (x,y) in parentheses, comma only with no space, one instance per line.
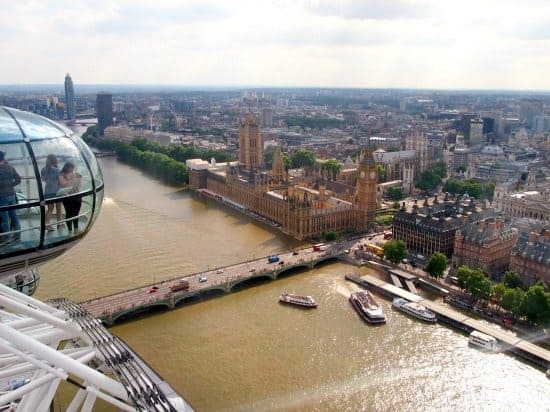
(278,167)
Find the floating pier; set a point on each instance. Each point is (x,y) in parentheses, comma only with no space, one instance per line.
(510,343)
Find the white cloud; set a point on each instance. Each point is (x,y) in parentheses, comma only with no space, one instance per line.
(369,43)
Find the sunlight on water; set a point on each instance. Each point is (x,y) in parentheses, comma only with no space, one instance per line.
(245,351)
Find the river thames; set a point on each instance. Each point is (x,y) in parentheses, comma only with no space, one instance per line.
(246,352)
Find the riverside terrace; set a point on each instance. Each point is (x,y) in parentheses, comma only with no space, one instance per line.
(220,280)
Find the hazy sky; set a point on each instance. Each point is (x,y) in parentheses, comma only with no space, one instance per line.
(338,43)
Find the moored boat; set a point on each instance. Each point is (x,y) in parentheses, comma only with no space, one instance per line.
(298,300)
(414,309)
(459,302)
(367,307)
(483,341)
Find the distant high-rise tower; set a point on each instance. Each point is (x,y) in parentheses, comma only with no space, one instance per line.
(104,111)
(251,146)
(69,97)
(267,117)
(476,133)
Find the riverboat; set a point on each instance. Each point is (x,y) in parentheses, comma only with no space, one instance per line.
(298,300)
(483,341)
(414,309)
(458,302)
(367,307)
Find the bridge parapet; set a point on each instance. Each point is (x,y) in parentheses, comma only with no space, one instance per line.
(112,307)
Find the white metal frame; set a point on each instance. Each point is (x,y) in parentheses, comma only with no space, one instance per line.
(32,366)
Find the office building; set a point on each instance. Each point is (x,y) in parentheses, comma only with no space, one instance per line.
(104,111)
(69,97)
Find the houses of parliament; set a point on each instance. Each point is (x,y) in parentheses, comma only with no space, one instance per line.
(303,207)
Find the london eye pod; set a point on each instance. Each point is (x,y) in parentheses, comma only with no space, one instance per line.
(41,218)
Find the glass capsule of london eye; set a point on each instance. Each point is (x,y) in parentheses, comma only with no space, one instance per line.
(51,190)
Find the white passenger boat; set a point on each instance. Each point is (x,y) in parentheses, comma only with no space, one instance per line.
(367,307)
(483,341)
(414,309)
(298,300)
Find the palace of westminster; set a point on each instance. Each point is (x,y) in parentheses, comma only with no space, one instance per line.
(307,206)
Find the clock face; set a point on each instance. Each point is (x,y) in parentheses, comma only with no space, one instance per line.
(372,174)
(362,175)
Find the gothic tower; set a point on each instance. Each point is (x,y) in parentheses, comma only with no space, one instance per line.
(251,145)
(365,192)
(278,168)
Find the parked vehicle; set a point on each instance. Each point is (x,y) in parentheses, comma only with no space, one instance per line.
(203,279)
(273,259)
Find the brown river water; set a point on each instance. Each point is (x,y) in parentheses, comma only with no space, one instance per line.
(246,352)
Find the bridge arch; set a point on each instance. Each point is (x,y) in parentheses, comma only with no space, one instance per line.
(202,294)
(136,310)
(252,280)
(294,268)
(325,259)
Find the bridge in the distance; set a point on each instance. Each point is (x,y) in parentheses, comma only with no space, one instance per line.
(221,280)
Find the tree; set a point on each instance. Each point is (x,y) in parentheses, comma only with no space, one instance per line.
(428,180)
(512,300)
(440,169)
(479,285)
(463,275)
(286,161)
(395,193)
(330,236)
(497,292)
(437,265)
(302,157)
(333,166)
(395,251)
(511,280)
(381,173)
(536,305)
(268,156)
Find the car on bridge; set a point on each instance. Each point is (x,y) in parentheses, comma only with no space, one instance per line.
(203,279)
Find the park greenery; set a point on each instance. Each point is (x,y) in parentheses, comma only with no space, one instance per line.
(532,303)
(432,177)
(474,188)
(436,265)
(163,162)
(331,235)
(269,153)
(395,251)
(385,219)
(332,166)
(395,193)
(301,158)
(381,172)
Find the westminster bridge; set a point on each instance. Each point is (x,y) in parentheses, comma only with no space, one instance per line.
(159,295)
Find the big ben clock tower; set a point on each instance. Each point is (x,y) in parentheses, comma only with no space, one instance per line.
(365,193)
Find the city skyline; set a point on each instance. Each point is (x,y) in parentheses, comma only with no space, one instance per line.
(402,44)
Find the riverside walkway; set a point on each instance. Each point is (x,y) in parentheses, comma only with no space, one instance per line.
(222,280)
(446,314)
